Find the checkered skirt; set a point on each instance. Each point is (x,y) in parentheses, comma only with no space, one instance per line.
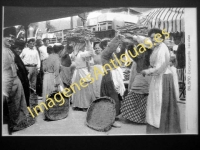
(134,107)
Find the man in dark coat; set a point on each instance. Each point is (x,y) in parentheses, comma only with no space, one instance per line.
(12,89)
(22,72)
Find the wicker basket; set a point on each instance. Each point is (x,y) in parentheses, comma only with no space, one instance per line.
(101,114)
(57,112)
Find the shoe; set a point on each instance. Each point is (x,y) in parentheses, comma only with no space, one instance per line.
(32,90)
(116,125)
(118,117)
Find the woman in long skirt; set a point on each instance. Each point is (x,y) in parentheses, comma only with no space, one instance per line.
(162,110)
(66,62)
(51,70)
(134,105)
(82,98)
(97,65)
(112,82)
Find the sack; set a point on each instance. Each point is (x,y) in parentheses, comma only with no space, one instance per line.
(57,112)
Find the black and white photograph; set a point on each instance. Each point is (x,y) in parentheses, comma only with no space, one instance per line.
(99,71)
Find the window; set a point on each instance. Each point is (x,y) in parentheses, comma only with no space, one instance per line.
(109,27)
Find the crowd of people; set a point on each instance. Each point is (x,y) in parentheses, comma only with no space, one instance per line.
(35,69)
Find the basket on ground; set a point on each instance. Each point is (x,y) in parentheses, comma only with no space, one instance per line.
(101,114)
(57,112)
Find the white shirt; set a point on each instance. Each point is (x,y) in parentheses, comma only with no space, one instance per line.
(30,57)
(43,52)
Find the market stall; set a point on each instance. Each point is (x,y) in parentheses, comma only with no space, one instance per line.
(171,19)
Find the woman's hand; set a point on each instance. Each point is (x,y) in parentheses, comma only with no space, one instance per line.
(128,35)
(56,85)
(119,35)
(144,72)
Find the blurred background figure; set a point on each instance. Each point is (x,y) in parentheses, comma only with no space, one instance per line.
(31,59)
(39,81)
(97,64)
(104,43)
(66,62)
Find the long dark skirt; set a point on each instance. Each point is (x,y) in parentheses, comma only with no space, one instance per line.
(108,89)
(170,117)
(134,107)
(39,82)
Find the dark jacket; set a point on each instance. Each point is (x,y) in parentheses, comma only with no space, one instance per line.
(22,74)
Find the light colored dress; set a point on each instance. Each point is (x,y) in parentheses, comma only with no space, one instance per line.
(159,60)
(97,83)
(51,68)
(162,111)
(83,97)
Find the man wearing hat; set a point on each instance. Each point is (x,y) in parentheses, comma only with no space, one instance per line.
(31,60)
(12,89)
(43,49)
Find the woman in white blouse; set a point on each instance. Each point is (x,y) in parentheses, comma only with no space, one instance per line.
(82,98)
(162,114)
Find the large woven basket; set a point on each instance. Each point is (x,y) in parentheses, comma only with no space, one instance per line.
(57,112)
(101,114)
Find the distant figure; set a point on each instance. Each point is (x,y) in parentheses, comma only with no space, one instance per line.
(98,64)
(66,62)
(180,53)
(31,59)
(39,81)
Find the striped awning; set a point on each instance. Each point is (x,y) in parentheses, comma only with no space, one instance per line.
(171,19)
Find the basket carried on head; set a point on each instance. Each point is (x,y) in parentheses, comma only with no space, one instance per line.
(57,112)
(101,114)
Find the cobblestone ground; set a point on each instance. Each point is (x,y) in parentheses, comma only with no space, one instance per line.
(74,125)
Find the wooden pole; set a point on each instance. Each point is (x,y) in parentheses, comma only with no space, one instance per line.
(84,27)
(26,32)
